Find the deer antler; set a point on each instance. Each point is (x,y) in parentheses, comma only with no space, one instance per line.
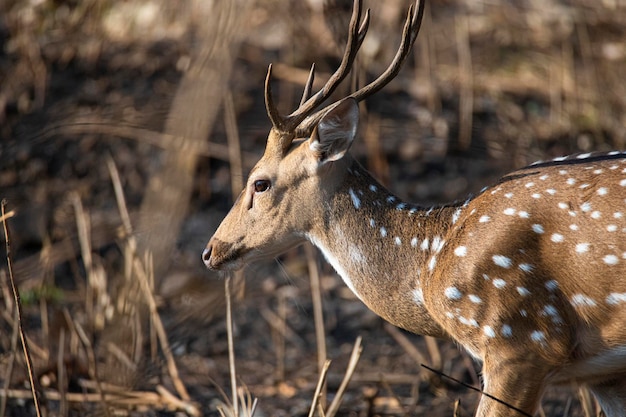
(303,119)
(356,35)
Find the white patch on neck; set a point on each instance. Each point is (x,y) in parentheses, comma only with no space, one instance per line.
(418,296)
(356,256)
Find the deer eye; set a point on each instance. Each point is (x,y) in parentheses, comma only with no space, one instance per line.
(261,186)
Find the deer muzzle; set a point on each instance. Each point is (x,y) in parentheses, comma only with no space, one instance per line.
(219,255)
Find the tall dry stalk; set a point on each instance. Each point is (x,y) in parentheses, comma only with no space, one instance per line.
(38,397)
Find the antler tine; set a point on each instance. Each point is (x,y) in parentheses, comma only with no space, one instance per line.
(365,25)
(306,94)
(272,112)
(356,35)
(409,34)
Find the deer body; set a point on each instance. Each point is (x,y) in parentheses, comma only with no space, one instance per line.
(529,276)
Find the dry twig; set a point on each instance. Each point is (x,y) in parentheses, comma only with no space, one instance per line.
(354,360)
(143,275)
(34,382)
(318,314)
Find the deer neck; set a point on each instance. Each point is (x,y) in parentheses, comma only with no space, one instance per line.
(383,247)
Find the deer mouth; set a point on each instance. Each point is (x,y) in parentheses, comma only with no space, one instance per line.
(222,256)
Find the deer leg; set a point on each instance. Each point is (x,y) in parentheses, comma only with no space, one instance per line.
(611,395)
(517,385)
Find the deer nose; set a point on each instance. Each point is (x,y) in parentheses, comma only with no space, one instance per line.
(206,255)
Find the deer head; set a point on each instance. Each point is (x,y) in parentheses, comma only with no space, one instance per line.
(305,159)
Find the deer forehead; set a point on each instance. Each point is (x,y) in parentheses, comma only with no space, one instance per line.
(283,163)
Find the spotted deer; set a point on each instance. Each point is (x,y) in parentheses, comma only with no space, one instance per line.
(529,276)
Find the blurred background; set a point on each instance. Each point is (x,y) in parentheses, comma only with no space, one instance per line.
(127,126)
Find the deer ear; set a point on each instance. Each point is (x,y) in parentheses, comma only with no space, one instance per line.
(335,132)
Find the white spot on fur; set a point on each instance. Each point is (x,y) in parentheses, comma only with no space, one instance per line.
(551,311)
(538,336)
(610,260)
(552,285)
(475,299)
(414,242)
(460,251)
(509,211)
(425,244)
(557,238)
(581,300)
(456,215)
(397,241)
(523,291)
(418,296)
(616,298)
(383,232)
(526,267)
(499,283)
(356,201)
(436,244)
(506,331)
(602,191)
(453,293)
(432,263)
(537,228)
(502,261)
(468,322)
(484,219)
(582,247)
(489,332)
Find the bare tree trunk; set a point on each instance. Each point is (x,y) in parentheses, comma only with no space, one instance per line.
(191,117)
